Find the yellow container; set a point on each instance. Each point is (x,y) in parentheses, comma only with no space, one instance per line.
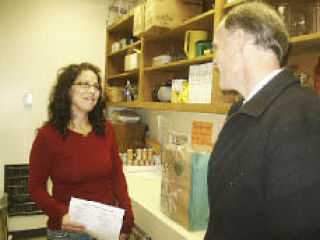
(190,40)
(178,87)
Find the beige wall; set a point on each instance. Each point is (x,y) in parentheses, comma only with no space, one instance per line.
(160,122)
(36,38)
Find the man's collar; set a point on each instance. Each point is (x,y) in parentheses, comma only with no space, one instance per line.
(259,102)
(261,84)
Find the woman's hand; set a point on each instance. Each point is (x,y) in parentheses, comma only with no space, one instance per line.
(123,236)
(69,226)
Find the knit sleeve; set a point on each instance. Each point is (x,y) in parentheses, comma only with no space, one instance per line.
(41,160)
(119,184)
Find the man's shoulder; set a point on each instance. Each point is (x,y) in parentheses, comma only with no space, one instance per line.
(297,97)
(295,104)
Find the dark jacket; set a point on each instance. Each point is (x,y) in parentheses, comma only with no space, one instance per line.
(264,172)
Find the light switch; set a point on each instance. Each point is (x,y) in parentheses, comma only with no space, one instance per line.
(28,99)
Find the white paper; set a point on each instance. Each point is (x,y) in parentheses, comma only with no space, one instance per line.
(102,221)
(200,83)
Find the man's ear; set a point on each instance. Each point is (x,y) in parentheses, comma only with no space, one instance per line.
(240,39)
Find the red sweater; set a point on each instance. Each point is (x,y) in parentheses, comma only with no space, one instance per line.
(83,167)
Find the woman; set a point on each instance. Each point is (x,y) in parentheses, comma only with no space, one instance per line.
(77,149)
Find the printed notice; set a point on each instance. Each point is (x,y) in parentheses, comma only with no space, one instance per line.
(102,221)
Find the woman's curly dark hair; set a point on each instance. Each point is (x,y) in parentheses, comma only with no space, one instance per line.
(59,109)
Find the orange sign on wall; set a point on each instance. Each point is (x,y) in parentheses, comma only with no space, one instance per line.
(201,133)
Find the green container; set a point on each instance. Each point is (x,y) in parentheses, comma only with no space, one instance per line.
(201,46)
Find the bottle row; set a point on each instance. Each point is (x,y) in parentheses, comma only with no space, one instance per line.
(139,157)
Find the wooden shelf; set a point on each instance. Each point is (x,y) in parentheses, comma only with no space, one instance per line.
(305,43)
(124,104)
(203,22)
(182,107)
(123,25)
(180,64)
(199,22)
(237,2)
(234,3)
(123,51)
(125,74)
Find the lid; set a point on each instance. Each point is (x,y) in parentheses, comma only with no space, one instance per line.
(3,199)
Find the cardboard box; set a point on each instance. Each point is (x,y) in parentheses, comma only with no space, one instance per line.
(168,14)
(134,61)
(206,4)
(127,62)
(115,46)
(162,59)
(131,61)
(138,20)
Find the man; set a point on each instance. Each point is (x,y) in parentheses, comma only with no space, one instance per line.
(264,172)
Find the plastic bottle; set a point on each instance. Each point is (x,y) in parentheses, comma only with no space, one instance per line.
(128,92)
(316,77)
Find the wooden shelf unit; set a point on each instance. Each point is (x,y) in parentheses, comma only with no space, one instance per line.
(124,75)
(184,107)
(203,22)
(234,3)
(163,43)
(305,43)
(123,51)
(179,64)
(123,24)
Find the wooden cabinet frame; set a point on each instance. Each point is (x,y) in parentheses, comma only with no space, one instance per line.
(156,44)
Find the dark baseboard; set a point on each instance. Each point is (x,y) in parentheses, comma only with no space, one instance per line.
(20,235)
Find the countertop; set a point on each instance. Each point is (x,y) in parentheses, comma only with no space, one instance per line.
(144,190)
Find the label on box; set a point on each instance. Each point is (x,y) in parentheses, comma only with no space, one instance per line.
(177,87)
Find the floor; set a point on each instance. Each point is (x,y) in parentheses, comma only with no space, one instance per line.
(27,238)
(36,238)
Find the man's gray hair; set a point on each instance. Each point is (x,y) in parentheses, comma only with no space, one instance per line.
(265,25)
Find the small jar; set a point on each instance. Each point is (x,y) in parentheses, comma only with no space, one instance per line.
(149,154)
(138,154)
(129,154)
(144,154)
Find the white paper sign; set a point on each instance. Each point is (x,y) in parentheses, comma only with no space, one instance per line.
(102,221)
